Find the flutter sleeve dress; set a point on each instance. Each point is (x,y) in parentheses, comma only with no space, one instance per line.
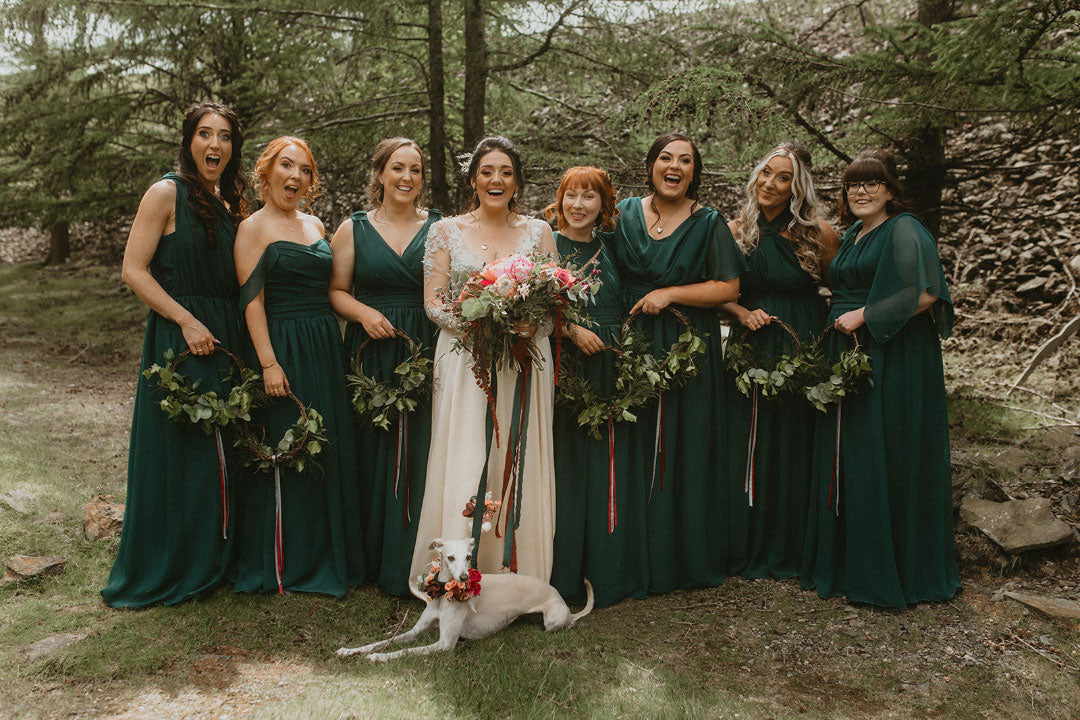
(178,525)
(681,443)
(391,463)
(880,527)
(769,480)
(319,547)
(599,498)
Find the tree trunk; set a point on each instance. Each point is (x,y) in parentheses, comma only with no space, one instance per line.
(476,74)
(59,244)
(436,91)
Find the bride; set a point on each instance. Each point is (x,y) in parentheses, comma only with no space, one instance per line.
(457,247)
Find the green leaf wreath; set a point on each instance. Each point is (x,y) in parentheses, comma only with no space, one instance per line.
(183,402)
(787,376)
(382,402)
(296,450)
(849,375)
(639,377)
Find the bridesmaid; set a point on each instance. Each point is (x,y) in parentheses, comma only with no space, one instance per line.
(880,530)
(377,285)
(284,264)
(787,248)
(672,251)
(599,514)
(177,533)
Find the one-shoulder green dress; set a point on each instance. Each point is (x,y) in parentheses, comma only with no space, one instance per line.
(680,446)
(771,493)
(173,544)
(321,534)
(880,528)
(599,497)
(391,463)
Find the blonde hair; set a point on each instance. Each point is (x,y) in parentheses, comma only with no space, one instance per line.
(266,161)
(805,231)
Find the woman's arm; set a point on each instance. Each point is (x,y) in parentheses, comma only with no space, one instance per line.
(707,294)
(247,250)
(155,214)
(341,280)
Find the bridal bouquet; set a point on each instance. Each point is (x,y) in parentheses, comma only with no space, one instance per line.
(522,289)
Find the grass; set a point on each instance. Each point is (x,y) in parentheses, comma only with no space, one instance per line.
(749,649)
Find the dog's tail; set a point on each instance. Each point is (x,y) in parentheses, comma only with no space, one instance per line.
(588,604)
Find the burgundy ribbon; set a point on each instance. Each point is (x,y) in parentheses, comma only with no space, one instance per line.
(402,448)
(751,448)
(834,481)
(223,475)
(612,510)
(279,540)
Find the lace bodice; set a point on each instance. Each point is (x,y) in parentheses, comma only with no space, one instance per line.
(451,256)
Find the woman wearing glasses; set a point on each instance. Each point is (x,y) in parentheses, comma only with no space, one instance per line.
(880,529)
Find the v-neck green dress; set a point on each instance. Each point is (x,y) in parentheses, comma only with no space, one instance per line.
(599,497)
(323,546)
(391,463)
(881,530)
(172,546)
(687,511)
(769,519)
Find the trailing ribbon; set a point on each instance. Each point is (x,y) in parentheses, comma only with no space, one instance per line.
(659,444)
(279,539)
(559,325)
(223,475)
(834,481)
(513,486)
(613,513)
(402,448)
(481,490)
(751,448)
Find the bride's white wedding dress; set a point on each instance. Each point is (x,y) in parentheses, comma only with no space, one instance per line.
(459,409)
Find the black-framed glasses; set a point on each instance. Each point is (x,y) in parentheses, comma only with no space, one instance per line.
(869,187)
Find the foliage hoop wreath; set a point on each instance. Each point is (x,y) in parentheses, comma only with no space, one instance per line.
(380,402)
(298,447)
(207,410)
(639,378)
(787,376)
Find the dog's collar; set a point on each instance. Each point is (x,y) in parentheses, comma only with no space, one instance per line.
(452,589)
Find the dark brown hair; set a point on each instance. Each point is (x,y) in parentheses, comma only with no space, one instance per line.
(495,143)
(231,184)
(876,164)
(654,152)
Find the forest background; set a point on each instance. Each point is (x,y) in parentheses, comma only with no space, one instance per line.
(980,100)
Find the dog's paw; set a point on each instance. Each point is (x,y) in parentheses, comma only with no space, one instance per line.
(378,657)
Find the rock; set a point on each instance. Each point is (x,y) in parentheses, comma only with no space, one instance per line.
(21,501)
(1074,264)
(20,567)
(54,518)
(1054,607)
(1032,285)
(42,648)
(1016,525)
(102,519)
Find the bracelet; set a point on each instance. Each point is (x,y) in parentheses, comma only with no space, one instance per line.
(267,367)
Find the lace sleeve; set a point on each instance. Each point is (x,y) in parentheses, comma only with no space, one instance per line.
(544,242)
(437,276)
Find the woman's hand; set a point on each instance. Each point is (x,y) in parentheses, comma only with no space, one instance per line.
(850,321)
(524,328)
(653,303)
(200,341)
(755,319)
(375,323)
(588,341)
(274,381)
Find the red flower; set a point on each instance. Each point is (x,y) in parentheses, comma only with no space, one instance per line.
(474,581)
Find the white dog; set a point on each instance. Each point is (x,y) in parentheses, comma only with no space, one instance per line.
(504,597)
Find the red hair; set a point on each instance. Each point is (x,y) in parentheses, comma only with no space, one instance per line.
(586,178)
(269,155)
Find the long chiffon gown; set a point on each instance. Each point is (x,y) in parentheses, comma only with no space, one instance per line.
(391,463)
(322,539)
(767,535)
(881,530)
(599,497)
(173,545)
(681,445)
(458,420)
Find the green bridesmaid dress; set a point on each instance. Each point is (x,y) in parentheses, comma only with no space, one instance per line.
(599,496)
(391,463)
(321,536)
(770,486)
(173,545)
(679,446)
(880,526)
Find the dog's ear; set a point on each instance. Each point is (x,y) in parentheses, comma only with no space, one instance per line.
(436,544)
(472,544)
